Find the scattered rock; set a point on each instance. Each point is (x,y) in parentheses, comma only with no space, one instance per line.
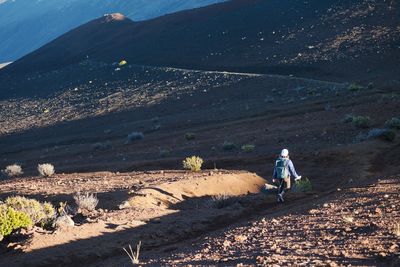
(64,221)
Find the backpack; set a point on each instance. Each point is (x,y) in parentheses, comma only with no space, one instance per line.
(281,170)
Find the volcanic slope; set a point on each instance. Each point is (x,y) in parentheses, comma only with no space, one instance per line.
(334,40)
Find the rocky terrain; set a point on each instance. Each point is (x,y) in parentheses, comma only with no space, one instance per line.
(116,118)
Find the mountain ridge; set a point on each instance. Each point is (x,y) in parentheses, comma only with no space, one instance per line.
(281,37)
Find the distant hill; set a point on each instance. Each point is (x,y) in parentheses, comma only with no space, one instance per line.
(332,39)
(25,25)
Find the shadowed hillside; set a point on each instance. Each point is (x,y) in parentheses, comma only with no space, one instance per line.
(319,39)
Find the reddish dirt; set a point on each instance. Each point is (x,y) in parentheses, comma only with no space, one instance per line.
(79,113)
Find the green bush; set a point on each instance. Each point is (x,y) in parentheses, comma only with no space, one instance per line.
(248,148)
(348,118)
(39,213)
(11,220)
(361,122)
(388,135)
(228,146)
(355,87)
(190,136)
(302,185)
(393,123)
(193,163)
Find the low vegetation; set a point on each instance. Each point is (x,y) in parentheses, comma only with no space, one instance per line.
(302,185)
(133,136)
(383,134)
(393,123)
(134,256)
(248,148)
(46,169)
(39,213)
(227,146)
(222,201)
(361,122)
(193,163)
(355,87)
(86,201)
(348,118)
(11,219)
(190,136)
(13,170)
(102,146)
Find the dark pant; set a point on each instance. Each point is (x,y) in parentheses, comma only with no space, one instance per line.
(282,185)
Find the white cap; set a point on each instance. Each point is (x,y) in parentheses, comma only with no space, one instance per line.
(284,153)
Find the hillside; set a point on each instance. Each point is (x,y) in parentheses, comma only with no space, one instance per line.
(26,25)
(232,83)
(318,39)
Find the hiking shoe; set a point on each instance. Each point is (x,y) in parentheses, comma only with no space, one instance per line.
(298,178)
(280,198)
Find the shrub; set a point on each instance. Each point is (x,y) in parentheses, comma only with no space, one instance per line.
(248,148)
(13,170)
(302,185)
(11,220)
(221,201)
(393,123)
(227,146)
(355,87)
(388,135)
(133,136)
(86,201)
(361,122)
(102,146)
(39,213)
(193,163)
(348,118)
(190,136)
(384,134)
(46,169)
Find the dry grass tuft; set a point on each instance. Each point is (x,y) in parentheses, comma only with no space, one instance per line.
(134,256)
(13,170)
(46,169)
(86,201)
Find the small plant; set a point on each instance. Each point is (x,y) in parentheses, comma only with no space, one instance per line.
(190,136)
(134,256)
(393,123)
(361,121)
(355,87)
(39,213)
(302,185)
(11,219)
(227,146)
(13,170)
(388,135)
(102,146)
(46,169)
(133,136)
(86,201)
(193,163)
(312,91)
(221,201)
(348,118)
(248,148)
